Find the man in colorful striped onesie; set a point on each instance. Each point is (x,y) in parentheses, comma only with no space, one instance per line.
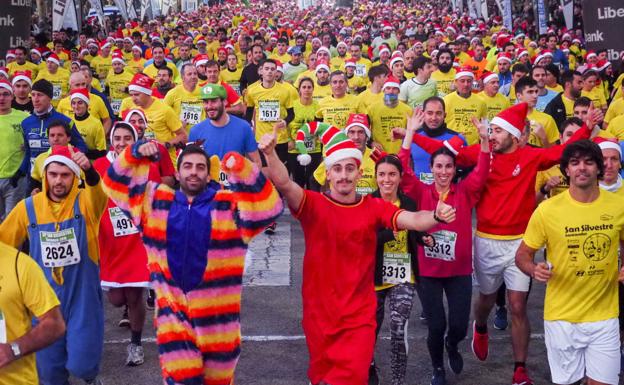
(196,239)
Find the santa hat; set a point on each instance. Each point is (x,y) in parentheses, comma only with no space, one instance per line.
(22,75)
(387,26)
(521,52)
(603,65)
(54,59)
(358,120)
(322,64)
(4,71)
(336,144)
(6,85)
(323,49)
(350,63)
(341,43)
(608,144)
(126,114)
(222,49)
(454,144)
(63,155)
(503,56)
(512,119)
(141,83)
(451,29)
(384,49)
(200,59)
(464,71)
(589,55)
(126,125)
(279,66)
(391,81)
(10,54)
(36,51)
(542,55)
(80,93)
(488,76)
(117,57)
(105,44)
(397,56)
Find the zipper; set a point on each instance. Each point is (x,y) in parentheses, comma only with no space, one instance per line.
(186,235)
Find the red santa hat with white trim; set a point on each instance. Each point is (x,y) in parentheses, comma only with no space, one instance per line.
(127,126)
(117,57)
(504,56)
(22,75)
(80,93)
(322,64)
(141,83)
(608,144)
(63,155)
(391,81)
(397,56)
(488,76)
(359,120)
(6,85)
(4,71)
(464,71)
(512,119)
(54,59)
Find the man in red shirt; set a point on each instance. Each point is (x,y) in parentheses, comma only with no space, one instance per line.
(502,216)
(339,300)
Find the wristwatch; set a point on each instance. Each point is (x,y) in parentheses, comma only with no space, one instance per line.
(16,349)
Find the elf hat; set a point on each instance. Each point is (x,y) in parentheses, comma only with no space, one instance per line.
(512,119)
(63,155)
(336,144)
(141,83)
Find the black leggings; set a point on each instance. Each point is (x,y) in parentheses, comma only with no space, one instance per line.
(302,174)
(458,291)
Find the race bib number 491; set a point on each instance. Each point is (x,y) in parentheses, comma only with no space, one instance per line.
(122,225)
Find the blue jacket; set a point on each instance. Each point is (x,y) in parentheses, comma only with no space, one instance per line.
(35,130)
(561,59)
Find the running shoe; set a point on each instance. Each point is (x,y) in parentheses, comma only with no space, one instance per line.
(151,300)
(480,343)
(455,359)
(439,377)
(521,377)
(500,318)
(270,229)
(135,355)
(373,375)
(124,322)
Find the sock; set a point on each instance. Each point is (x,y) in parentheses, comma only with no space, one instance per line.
(519,364)
(481,329)
(136,337)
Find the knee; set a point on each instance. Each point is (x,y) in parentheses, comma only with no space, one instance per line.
(83,367)
(116,297)
(517,306)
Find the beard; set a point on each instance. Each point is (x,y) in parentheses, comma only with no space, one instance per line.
(445,67)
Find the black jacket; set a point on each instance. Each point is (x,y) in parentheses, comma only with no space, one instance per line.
(556,109)
(386,235)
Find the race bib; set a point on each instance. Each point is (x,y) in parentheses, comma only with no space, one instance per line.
(444,248)
(310,143)
(269,111)
(360,70)
(396,268)
(56,91)
(3,330)
(116,105)
(59,248)
(122,225)
(223,179)
(35,143)
(426,177)
(149,135)
(236,87)
(191,113)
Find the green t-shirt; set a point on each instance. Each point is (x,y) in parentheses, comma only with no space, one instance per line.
(12,139)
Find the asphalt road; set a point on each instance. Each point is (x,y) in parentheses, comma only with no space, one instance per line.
(274,350)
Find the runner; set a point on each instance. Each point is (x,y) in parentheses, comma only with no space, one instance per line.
(335,109)
(184,98)
(543,128)
(117,81)
(581,304)
(96,107)
(462,104)
(22,85)
(192,253)
(494,101)
(340,330)
(89,127)
(387,115)
(61,224)
(421,87)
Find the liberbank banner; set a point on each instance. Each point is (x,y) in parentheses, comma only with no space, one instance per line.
(603,21)
(14,25)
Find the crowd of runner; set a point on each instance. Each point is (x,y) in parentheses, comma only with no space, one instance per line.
(140,161)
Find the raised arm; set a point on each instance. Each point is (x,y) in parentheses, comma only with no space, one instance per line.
(257,202)
(410,184)
(424,220)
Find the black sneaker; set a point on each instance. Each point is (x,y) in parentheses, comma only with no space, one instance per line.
(500,318)
(124,322)
(270,229)
(455,360)
(438,378)
(151,299)
(373,375)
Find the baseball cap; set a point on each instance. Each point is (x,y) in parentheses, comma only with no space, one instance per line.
(212,91)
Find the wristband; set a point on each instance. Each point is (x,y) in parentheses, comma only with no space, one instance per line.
(543,190)
(437,219)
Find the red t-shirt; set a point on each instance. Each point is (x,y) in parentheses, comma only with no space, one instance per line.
(339,261)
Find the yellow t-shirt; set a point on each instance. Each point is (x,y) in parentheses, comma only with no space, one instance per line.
(396,247)
(383,119)
(60,83)
(582,241)
(281,58)
(304,114)
(494,104)
(270,105)
(616,108)
(558,88)
(616,127)
(232,78)
(543,177)
(321,92)
(569,106)
(356,82)
(152,71)
(367,183)
(96,84)
(366,99)
(187,105)
(305,74)
(20,300)
(336,111)
(27,66)
(596,96)
(92,132)
(102,65)
(337,63)
(97,108)
(444,81)
(362,66)
(459,113)
(550,127)
(118,87)
(136,66)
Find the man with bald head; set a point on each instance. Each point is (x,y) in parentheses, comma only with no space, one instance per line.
(97,108)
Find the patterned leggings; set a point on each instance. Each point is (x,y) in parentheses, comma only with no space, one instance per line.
(401,299)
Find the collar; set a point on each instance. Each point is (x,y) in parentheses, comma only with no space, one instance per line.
(614,187)
(82,117)
(434,132)
(44,114)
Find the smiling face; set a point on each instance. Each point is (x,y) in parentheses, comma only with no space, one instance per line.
(443,169)
(193,174)
(582,171)
(388,178)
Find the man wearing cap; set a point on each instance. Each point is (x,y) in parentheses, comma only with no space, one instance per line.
(184,98)
(335,109)
(612,155)
(58,76)
(503,62)
(355,84)
(387,115)
(340,255)
(12,152)
(163,123)
(494,101)
(462,105)
(21,63)
(61,223)
(97,106)
(22,85)
(196,240)
(137,63)
(222,132)
(337,62)
(294,66)
(117,82)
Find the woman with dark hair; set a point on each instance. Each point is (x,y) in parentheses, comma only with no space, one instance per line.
(396,266)
(446,267)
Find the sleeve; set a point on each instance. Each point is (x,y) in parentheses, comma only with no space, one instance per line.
(249,100)
(257,202)
(548,157)
(94,199)
(76,139)
(126,183)
(474,183)
(13,230)
(410,184)
(250,139)
(288,101)
(173,120)
(232,97)
(552,132)
(165,164)
(387,214)
(193,134)
(535,234)
(100,139)
(540,180)
(39,297)
(172,101)
(101,109)
(467,156)
(403,92)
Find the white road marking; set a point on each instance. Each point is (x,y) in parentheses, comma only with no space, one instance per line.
(267,262)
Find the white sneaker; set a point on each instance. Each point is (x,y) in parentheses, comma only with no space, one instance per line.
(135,355)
